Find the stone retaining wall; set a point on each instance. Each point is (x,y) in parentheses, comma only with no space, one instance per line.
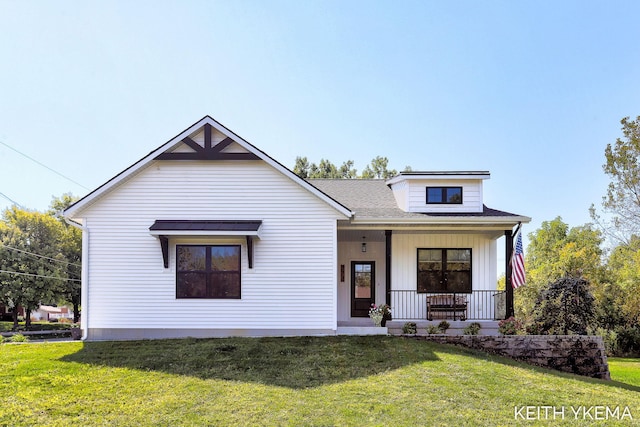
(577,354)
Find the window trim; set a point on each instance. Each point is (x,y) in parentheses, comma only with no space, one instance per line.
(444,270)
(444,195)
(208,271)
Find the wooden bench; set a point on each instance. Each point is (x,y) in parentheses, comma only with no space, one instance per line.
(447,306)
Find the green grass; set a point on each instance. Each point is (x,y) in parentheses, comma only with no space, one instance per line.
(330,381)
(626,370)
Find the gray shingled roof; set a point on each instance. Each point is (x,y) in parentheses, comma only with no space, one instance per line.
(373,199)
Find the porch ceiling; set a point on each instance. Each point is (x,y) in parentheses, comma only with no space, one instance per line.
(493,230)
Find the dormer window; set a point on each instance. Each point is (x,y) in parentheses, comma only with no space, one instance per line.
(444,195)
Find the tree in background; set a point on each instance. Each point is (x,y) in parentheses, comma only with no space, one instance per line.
(325,169)
(624,267)
(619,300)
(556,251)
(70,246)
(30,244)
(378,168)
(12,242)
(623,194)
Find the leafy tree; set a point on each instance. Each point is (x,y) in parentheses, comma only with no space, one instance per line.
(566,307)
(610,306)
(11,243)
(347,171)
(557,251)
(35,261)
(623,194)
(70,245)
(325,169)
(378,169)
(624,267)
(302,167)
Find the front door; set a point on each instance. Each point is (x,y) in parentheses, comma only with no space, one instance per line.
(363,281)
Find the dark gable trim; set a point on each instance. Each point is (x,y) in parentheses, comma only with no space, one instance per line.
(207,152)
(191,143)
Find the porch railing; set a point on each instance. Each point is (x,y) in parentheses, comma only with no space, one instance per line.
(481,305)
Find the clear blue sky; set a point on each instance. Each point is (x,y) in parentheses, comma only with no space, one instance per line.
(530,90)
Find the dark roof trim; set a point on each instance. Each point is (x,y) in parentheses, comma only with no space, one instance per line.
(207,225)
(486,212)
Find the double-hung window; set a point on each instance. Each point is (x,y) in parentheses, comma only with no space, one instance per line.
(444,270)
(208,271)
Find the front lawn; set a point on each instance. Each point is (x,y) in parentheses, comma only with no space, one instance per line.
(626,370)
(355,381)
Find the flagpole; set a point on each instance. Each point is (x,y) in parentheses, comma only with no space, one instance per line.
(508,237)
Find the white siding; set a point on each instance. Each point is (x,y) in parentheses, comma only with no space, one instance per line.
(291,285)
(404,259)
(414,198)
(400,192)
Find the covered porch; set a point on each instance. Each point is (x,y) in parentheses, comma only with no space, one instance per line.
(382,266)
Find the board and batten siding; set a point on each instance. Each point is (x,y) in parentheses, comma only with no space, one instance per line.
(404,262)
(292,284)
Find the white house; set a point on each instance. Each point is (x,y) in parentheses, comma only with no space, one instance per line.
(48,312)
(209,236)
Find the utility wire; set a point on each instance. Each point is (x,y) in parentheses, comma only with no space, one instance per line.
(39,275)
(43,165)
(11,200)
(40,256)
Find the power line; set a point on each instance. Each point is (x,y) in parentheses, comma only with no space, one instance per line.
(39,275)
(43,165)
(40,256)
(11,200)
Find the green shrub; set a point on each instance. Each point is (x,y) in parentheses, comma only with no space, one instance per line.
(566,307)
(472,329)
(532,329)
(19,338)
(443,326)
(433,329)
(509,326)
(628,340)
(610,339)
(410,328)
(1,339)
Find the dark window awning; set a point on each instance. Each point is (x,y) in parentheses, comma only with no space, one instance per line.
(205,228)
(163,229)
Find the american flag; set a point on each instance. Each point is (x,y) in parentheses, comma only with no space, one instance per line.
(517,265)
